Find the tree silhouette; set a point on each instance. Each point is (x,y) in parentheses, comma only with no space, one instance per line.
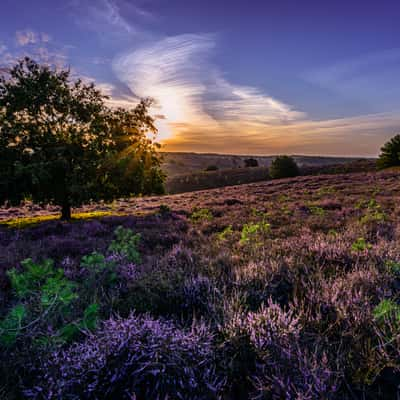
(390,153)
(250,162)
(283,167)
(60,143)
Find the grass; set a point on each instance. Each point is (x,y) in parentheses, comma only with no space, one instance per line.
(25,222)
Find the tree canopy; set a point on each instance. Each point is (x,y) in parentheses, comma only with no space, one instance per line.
(283,167)
(61,144)
(390,153)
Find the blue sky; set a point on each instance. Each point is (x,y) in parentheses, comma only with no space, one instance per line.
(244,77)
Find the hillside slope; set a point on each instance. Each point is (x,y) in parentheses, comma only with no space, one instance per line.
(225,293)
(186,163)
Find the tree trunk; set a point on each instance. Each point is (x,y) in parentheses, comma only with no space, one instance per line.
(66,211)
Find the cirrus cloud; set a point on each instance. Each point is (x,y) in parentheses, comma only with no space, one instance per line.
(190,90)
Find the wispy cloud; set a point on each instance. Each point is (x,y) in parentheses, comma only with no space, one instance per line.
(189,89)
(28,36)
(109,18)
(36,45)
(107,11)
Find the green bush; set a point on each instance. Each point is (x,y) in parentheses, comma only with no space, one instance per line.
(200,215)
(254,233)
(43,298)
(386,309)
(360,245)
(283,167)
(126,244)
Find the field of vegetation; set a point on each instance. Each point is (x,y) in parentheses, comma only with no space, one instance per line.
(287,289)
(206,179)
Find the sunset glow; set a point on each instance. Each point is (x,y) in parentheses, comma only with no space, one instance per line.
(293,81)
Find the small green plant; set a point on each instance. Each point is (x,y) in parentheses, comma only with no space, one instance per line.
(386,309)
(101,275)
(88,323)
(225,234)
(95,262)
(315,210)
(126,244)
(11,325)
(393,267)
(254,232)
(333,233)
(360,245)
(373,216)
(373,211)
(57,290)
(200,215)
(43,297)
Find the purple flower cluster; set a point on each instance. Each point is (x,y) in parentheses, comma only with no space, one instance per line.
(138,357)
(307,312)
(285,367)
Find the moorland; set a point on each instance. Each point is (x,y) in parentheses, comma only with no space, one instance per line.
(279,289)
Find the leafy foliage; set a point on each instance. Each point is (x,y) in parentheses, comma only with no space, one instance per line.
(201,214)
(283,167)
(60,143)
(126,244)
(390,154)
(44,295)
(385,309)
(360,245)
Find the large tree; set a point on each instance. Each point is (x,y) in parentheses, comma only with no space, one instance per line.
(390,154)
(61,144)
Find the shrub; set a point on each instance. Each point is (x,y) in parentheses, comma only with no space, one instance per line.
(225,234)
(393,267)
(360,245)
(125,244)
(390,154)
(283,167)
(250,162)
(138,357)
(43,296)
(254,233)
(200,215)
(385,309)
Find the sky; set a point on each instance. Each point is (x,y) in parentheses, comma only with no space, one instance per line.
(257,77)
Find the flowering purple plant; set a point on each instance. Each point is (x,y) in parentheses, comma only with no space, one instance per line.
(138,357)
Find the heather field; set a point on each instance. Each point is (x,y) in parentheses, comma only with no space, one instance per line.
(287,289)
